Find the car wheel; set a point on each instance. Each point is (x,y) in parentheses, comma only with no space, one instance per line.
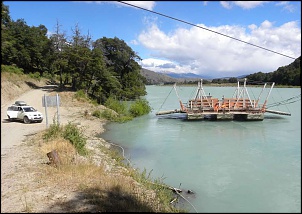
(10,119)
(26,120)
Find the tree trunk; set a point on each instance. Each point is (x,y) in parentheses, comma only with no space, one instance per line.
(54,158)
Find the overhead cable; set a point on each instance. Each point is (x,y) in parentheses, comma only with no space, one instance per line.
(206,29)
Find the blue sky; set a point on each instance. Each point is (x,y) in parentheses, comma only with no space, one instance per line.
(168,45)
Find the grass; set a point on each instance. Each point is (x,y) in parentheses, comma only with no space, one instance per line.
(110,186)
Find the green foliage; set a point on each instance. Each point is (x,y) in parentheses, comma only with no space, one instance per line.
(118,106)
(233,80)
(139,108)
(97,113)
(11,69)
(109,115)
(69,132)
(76,138)
(50,76)
(81,96)
(123,113)
(285,75)
(112,116)
(54,131)
(35,75)
(101,68)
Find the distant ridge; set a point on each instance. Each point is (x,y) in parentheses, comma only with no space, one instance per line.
(186,76)
(154,78)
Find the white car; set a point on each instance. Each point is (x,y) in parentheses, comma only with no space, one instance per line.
(21,111)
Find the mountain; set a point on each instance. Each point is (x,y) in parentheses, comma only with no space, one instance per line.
(186,76)
(154,78)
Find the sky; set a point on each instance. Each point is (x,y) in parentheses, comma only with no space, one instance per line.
(212,39)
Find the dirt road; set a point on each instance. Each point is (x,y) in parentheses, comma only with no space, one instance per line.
(13,133)
(12,153)
(18,159)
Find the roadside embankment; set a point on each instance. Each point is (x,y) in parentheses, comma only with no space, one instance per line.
(97,182)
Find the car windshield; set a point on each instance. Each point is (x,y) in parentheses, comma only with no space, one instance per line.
(29,109)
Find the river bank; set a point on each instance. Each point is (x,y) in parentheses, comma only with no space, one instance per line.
(96,183)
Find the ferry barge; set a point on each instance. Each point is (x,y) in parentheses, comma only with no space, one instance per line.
(239,107)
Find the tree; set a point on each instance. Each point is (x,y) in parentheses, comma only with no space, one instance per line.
(59,42)
(79,55)
(233,80)
(121,61)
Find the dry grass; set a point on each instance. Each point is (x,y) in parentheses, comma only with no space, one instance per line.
(96,189)
(12,85)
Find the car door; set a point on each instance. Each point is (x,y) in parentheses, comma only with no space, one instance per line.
(20,113)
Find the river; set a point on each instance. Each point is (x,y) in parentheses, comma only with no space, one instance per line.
(231,166)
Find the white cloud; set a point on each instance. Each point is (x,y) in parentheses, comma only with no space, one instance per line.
(249,4)
(226,4)
(149,5)
(253,4)
(203,52)
(286,6)
(242,4)
(266,24)
(164,66)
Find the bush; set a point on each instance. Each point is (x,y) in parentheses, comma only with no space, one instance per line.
(109,115)
(139,108)
(123,114)
(69,132)
(81,96)
(52,132)
(11,69)
(117,106)
(35,75)
(76,138)
(97,113)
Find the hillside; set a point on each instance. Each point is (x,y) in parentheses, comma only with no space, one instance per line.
(284,75)
(154,78)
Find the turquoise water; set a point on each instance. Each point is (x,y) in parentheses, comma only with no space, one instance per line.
(231,166)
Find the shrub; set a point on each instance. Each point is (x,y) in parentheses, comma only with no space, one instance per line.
(11,69)
(109,115)
(76,138)
(117,106)
(52,132)
(81,96)
(35,75)
(97,113)
(139,108)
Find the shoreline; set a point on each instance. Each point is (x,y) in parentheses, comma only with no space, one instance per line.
(30,184)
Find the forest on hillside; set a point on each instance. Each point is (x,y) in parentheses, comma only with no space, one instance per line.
(288,75)
(285,75)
